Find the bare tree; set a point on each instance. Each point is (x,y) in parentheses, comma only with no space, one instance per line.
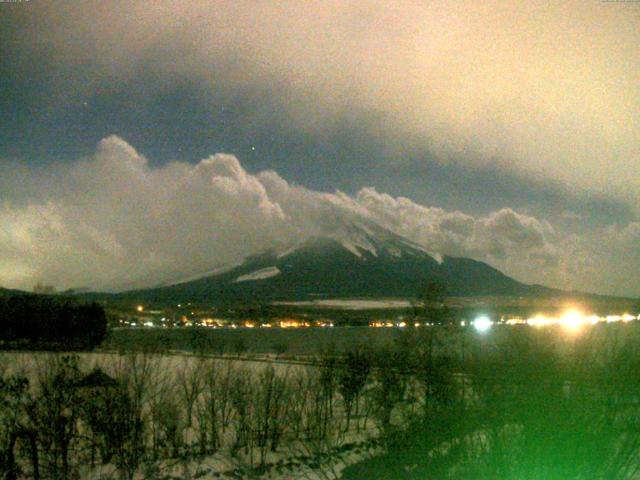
(299,402)
(390,384)
(167,417)
(140,379)
(241,394)
(352,378)
(189,378)
(269,411)
(215,406)
(14,401)
(56,412)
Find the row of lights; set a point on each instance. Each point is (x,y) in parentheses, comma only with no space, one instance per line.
(572,320)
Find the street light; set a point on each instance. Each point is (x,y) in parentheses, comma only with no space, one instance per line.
(482,324)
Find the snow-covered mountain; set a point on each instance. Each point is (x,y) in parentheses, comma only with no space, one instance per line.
(357,260)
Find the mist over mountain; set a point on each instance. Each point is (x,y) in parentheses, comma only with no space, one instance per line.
(116,222)
(358,261)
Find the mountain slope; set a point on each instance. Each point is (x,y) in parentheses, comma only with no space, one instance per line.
(6,292)
(362,261)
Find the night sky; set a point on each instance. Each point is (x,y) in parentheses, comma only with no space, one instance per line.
(144,141)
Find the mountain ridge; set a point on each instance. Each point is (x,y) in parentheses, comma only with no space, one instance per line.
(355,260)
(361,261)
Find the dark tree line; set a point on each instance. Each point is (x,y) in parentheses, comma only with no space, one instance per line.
(46,321)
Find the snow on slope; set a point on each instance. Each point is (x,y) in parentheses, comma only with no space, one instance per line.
(359,238)
(368,237)
(210,273)
(258,274)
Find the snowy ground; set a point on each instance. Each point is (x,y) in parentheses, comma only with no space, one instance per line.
(294,464)
(294,460)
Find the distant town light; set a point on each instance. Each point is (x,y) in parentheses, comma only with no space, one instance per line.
(140,308)
(572,320)
(482,324)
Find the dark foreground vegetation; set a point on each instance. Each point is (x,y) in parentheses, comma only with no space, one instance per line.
(528,404)
(50,322)
(150,415)
(517,403)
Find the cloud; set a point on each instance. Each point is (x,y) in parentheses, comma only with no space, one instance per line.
(113,222)
(619,245)
(547,90)
(503,238)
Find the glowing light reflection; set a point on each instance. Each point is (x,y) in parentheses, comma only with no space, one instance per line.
(482,324)
(572,320)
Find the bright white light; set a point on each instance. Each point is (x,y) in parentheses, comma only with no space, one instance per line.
(592,319)
(482,324)
(572,320)
(541,321)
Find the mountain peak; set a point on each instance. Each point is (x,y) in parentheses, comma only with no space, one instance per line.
(354,261)
(364,239)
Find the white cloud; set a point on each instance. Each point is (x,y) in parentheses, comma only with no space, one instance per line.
(113,222)
(504,238)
